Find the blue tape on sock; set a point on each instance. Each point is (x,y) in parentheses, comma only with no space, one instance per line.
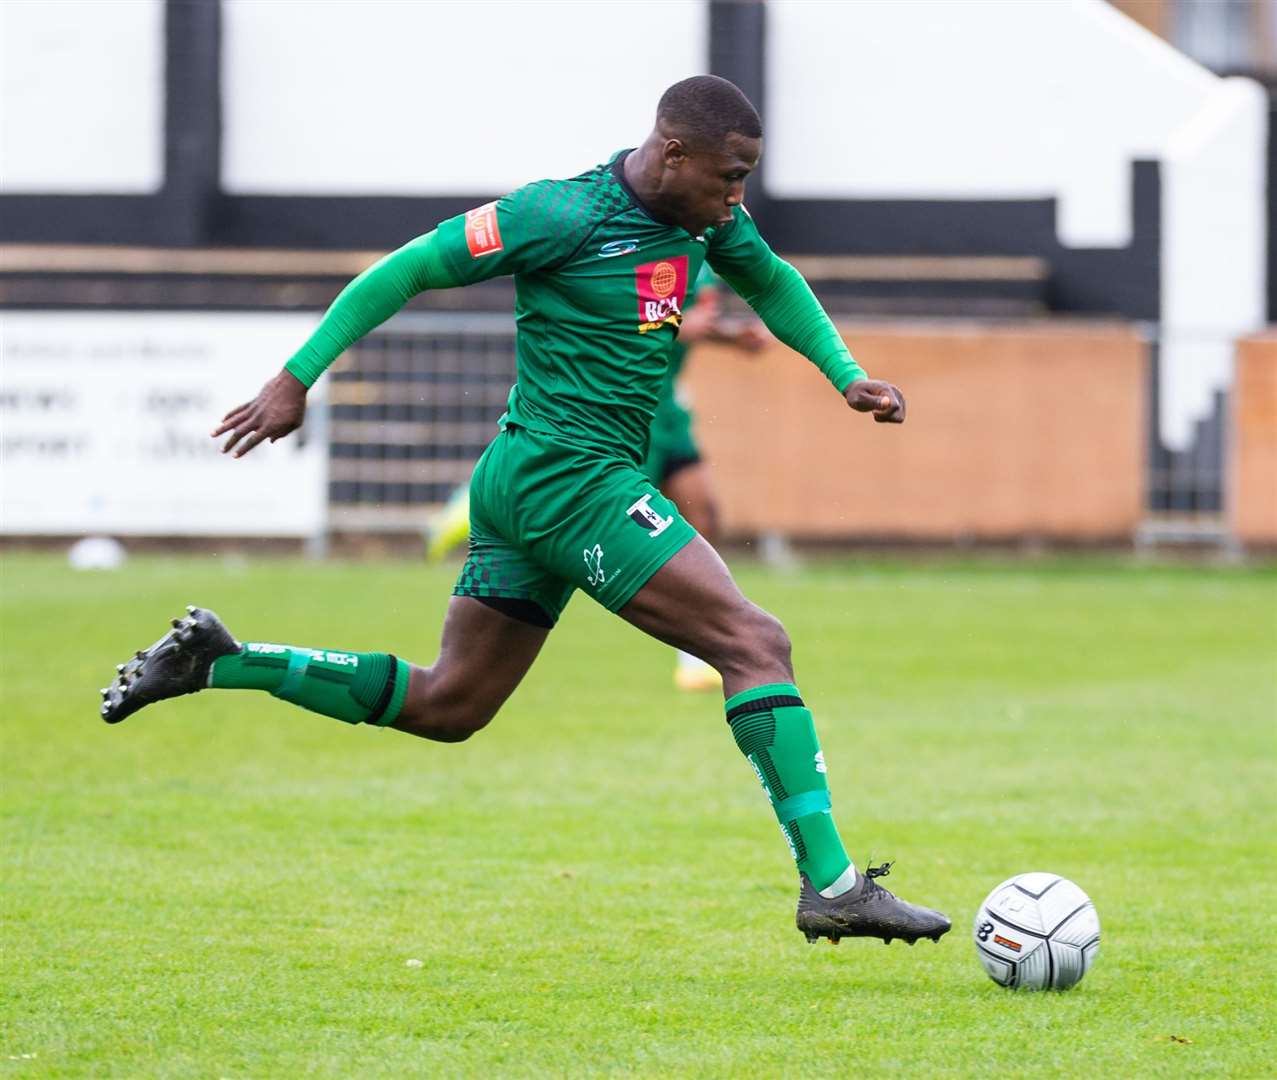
(802,804)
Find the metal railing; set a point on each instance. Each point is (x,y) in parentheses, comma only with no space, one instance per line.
(1186,493)
(411,408)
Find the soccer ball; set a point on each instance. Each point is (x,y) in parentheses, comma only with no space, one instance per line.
(1037,932)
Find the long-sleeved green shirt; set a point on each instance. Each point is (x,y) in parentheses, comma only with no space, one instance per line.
(600,286)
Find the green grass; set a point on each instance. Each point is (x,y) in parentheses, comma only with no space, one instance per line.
(226,886)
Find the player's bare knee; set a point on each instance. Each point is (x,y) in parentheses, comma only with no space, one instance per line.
(458,725)
(758,642)
(436,708)
(773,639)
(449,734)
(443,722)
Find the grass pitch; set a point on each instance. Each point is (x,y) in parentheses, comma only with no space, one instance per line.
(225,886)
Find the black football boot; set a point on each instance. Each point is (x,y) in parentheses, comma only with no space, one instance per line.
(866,910)
(176,664)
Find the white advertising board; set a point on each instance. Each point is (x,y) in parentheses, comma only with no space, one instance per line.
(105,421)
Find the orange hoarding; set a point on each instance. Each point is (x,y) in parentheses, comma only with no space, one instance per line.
(1028,429)
(1253,458)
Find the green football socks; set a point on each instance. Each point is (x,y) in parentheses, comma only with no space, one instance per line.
(357,688)
(774,730)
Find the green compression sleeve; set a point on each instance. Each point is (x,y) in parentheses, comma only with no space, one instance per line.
(370,300)
(790,310)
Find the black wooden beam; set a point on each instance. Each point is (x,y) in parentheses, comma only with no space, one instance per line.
(738,52)
(192,117)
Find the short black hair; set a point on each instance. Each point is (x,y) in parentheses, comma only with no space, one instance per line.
(708,109)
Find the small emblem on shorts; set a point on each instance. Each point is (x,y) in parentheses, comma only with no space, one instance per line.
(594,564)
(641,513)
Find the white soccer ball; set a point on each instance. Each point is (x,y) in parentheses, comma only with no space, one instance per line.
(1037,932)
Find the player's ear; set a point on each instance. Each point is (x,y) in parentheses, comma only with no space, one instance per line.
(674,153)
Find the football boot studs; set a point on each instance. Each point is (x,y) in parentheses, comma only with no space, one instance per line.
(176,664)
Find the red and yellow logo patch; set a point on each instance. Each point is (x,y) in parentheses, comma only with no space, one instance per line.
(483,237)
(662,289)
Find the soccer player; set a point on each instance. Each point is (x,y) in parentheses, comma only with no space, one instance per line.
(601,264)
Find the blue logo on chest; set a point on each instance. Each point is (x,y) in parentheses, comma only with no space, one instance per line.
(614,248)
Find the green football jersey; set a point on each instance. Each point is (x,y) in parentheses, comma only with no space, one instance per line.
(600,289)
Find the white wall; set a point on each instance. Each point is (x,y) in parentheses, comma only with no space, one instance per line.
(945,99)
(954,99)
(369,97)
(1214,177)
(82,96)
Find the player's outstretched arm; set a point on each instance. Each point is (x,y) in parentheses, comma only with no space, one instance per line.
(790,310)
(364,304)
(513,235)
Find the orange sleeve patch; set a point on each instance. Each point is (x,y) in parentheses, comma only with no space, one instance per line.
(483,237)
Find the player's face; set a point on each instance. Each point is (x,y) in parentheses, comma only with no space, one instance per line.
(708,182)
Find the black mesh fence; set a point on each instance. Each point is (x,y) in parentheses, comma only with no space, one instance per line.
(411,408)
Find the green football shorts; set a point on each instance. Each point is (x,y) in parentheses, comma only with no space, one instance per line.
(549,516)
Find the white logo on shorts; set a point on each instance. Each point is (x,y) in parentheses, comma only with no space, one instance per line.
(594,564)
(641,513)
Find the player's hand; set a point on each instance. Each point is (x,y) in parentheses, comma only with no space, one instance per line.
(751,336)
(278,410)
(882,399)
(699,322)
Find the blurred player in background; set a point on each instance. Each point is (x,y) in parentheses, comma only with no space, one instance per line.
(674,462)
(602,264)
